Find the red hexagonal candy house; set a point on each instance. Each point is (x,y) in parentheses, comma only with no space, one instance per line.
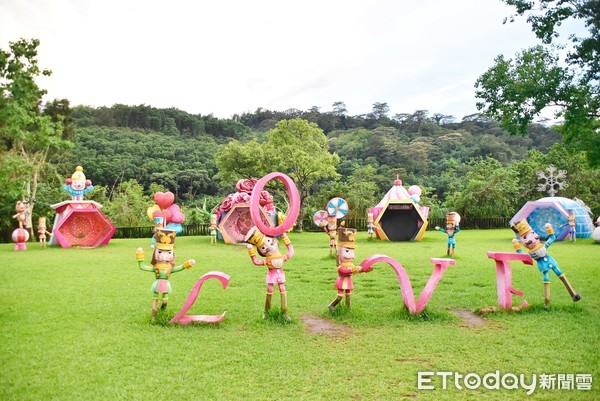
(234,213)
(80,224)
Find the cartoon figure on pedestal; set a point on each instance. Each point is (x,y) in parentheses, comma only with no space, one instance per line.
(452,228)
(370,226)
(42,231)
(163,265)
(331,230)
(77,185)
(345,266)
(22,209)
(538,251)
(572,235)
(213,229)
(268,247)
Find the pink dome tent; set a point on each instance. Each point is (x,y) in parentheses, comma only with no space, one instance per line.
(398,216)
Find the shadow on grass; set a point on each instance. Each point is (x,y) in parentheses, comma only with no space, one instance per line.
(370,318)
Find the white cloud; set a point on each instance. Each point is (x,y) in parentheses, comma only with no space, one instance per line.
(234,56)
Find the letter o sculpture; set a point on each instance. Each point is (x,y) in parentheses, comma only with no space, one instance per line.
(293,196)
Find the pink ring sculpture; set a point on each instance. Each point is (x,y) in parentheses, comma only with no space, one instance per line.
(184,319)
(405,286)
(292,214)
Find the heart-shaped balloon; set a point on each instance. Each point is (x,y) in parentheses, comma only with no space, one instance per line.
(162,213)
(151,210)
(164,199)
(176,215)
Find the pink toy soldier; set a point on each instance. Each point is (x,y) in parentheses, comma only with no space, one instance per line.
(268,247)
(163,264)
(331,230)
(345,266)
(370,225)
(42,232)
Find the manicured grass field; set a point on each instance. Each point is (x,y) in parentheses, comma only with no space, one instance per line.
(75,325)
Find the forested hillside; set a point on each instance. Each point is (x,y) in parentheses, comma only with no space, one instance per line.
(471,166)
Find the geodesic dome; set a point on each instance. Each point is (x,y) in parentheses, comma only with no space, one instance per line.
(555,210)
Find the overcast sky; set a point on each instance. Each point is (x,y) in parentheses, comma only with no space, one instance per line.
(233,56)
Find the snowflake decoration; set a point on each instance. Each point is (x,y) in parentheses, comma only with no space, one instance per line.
(553,181)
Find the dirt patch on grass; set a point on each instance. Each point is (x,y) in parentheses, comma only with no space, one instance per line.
(320,326)
(469,318)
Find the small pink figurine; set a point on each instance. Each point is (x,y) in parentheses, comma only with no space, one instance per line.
(331,230)
(21,216)
(268,247)
(163,264)
(345,266)
(42,231)
(370,225)
(77,185)
(213,229)
(539,252)
(571,222)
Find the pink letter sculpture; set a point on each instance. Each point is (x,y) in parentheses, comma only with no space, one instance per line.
(405,286)
(184,319)
(504,280)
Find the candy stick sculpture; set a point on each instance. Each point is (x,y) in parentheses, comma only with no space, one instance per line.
(163,265)
(538,251)
(42,231)
(452,228)
(268,247)
(345,266)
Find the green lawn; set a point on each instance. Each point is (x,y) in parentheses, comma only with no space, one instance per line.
(75,324)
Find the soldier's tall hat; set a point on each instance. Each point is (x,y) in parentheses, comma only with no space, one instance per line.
(347,237)
(165,239)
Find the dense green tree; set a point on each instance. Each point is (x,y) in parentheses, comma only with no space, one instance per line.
(237,160)
(299,149)
(488,189)
(28,138)
(517,91)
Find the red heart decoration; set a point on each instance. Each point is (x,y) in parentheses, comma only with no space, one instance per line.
(163,213)
(164,199)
